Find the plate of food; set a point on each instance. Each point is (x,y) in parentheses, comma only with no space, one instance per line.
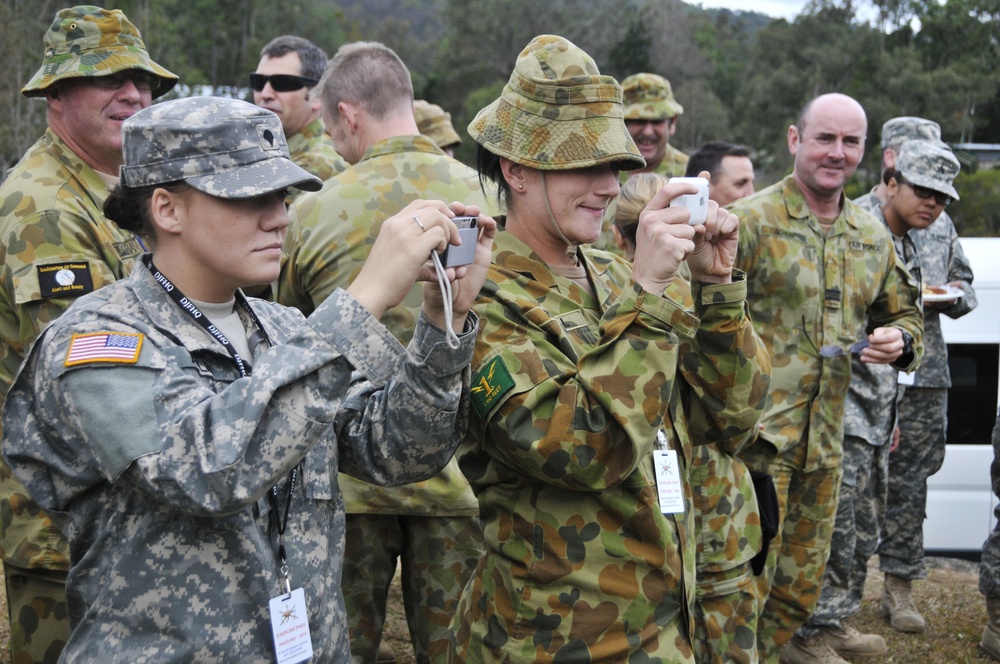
(941,293)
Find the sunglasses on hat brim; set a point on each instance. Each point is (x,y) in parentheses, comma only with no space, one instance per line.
(281,82)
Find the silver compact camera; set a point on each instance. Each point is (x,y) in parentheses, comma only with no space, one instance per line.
(465,253)
(697,204)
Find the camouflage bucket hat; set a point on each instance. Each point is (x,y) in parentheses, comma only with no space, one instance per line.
(928,164)
(897,131)
(226,148)
(435,123)
(557,112)
(90,41)
(649,97)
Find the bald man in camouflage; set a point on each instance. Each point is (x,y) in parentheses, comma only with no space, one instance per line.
(55,245)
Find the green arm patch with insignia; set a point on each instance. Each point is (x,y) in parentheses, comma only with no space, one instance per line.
(491,383)
(65,279)
(117,347)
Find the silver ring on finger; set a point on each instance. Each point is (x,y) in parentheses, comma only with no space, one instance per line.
(419,223)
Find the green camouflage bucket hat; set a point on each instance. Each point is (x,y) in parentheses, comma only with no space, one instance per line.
(897,131)
(226,148)
(90,41)
(557,112)
(928,164)
(435,123)
(649,97)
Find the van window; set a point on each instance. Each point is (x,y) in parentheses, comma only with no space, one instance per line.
(972,399)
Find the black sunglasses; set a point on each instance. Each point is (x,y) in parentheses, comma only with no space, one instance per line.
(925,192)
(281,82)
(141,79)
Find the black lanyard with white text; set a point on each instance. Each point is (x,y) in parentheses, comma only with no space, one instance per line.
(189,307)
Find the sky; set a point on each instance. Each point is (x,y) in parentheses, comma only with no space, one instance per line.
(787,9)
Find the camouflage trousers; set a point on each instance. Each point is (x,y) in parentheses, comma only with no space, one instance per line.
(725,616)
(923,420)
(989,564)
(39,619)
(436,555)
(855,536)
(789,586)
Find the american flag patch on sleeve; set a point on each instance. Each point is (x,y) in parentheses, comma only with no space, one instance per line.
(104,347)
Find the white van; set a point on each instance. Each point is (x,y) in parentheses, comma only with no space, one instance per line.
(960,500)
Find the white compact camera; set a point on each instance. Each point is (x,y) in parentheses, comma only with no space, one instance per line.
(696,203)
(465,253)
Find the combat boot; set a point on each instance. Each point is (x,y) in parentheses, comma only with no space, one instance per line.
(991,634)
(849,641)
(898,607)
(813,650)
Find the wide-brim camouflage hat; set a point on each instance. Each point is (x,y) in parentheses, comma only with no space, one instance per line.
(227,148)
(649,97)
(557,112)
(89,41)
(897,131)
(435,123)
(929,164)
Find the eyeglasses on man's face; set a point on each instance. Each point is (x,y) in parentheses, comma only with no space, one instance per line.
(142,80)
(925,192)
(281,82)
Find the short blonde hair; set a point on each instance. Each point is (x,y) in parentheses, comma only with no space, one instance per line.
(636,192)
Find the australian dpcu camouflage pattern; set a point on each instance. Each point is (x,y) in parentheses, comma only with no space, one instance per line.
(90,41)
(649,97)
(435,123)
(160,463)
(557,112)
(869,420)
(989,565)
(55,245)
(327,245)
(808,289)
(571,389)
(311,149)
(728,534)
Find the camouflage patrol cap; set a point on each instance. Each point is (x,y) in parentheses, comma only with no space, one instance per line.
(557,112)
(649,97)
(435,123)
(897,131)
(927,164)
(226,148)
(89,41)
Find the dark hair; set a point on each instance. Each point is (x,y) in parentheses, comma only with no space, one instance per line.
(488,165)
(128,207)
(709,156)
(889,174)
(311,56)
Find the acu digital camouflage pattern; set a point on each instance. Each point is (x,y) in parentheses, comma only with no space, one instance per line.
(808,289)
(331,236)
(927,165)
(897,131)
(649,97)
(311,149)
(90,41)
(571,390)
(556,112)
(435,123)
(226,148)
(989,565)
(162,465)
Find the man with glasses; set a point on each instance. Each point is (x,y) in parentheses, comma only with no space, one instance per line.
(55,245)
(289,68)
(923,406)
(821,272)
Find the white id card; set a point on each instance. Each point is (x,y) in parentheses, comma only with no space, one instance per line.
(906,378)
(290,626)
(668,482)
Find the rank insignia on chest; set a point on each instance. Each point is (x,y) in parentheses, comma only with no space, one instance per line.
(117,347)
(491,383)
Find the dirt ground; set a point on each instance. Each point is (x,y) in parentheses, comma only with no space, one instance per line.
(949,599)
